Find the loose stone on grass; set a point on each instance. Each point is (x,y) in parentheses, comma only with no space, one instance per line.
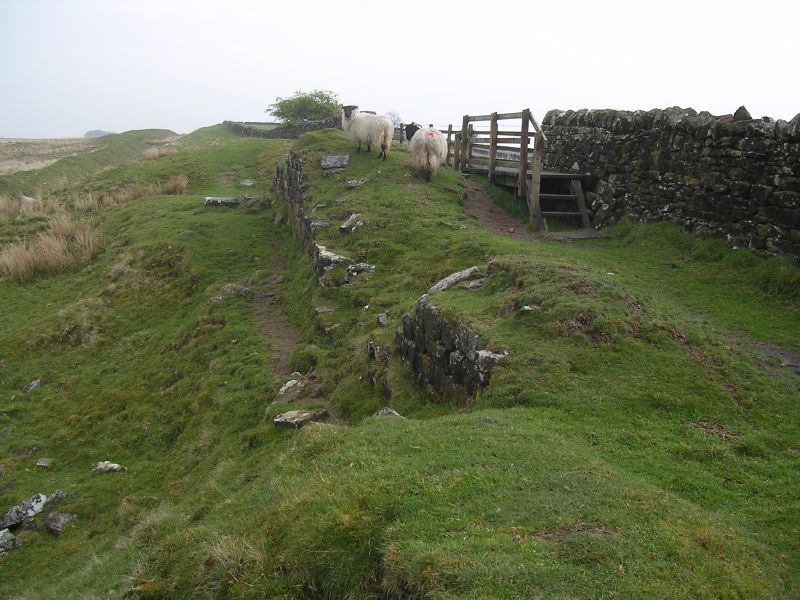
(334,161)
(45,463)
(383,319)
(54,498)
(32,386)
(24,510)
(224,201)
(8,541)
(354,183)
(57,521)
(352,223)
(232,290)
(387,412)
(295,419)
(105,466)
(289,391)
(454,278)
(356,269)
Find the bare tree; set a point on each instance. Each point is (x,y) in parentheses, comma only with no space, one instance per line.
(395,118)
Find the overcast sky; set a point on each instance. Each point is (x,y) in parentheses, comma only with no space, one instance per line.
(70,66)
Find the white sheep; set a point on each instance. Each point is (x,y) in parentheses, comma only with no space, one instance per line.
(367,128)
(428,149)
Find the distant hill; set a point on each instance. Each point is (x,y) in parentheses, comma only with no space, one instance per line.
(97,133)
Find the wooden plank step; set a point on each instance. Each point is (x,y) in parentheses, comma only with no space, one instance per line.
(556,175)
(558,197)
(582,234)
(561,214)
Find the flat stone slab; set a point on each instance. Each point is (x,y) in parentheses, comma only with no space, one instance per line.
(445,283)
(353,183)
(232,290)
(225,201)
(354,270)
(57,521)
(334,162)
(24,510)
(295,419)
(247,182)
(105,466)
(352,223)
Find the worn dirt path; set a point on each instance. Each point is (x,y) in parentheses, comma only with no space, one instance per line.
(480,205)
(271,323)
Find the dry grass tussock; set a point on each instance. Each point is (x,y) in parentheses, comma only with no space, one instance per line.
(27,206)
(156,152)
(175,185)
(63,244)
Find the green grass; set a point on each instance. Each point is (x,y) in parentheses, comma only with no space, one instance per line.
(594,465)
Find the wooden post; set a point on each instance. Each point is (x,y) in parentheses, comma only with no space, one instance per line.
(536,174)
(522,178)
(464,156)
(470,141)
(457,152)
(402,134)
(493,147)
(449,142)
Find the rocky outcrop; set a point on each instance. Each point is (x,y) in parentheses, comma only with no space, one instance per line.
(449,356)
(731,175)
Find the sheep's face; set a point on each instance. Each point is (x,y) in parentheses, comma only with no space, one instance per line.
(411,129)
(348,110)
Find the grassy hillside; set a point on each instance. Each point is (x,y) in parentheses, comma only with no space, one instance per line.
(638,441)
(100,154)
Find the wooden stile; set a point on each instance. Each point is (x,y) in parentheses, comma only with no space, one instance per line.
(464,141)
(468,156)
(493,148)
(449,141)
(536,176)
(522,182)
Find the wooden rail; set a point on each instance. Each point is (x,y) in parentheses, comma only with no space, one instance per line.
(489,151)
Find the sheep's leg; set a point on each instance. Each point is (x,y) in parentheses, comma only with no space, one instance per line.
(359,147)
(369,148)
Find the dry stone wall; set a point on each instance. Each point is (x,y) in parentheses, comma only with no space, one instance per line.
(445,354)
(732,175)
(290,132)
